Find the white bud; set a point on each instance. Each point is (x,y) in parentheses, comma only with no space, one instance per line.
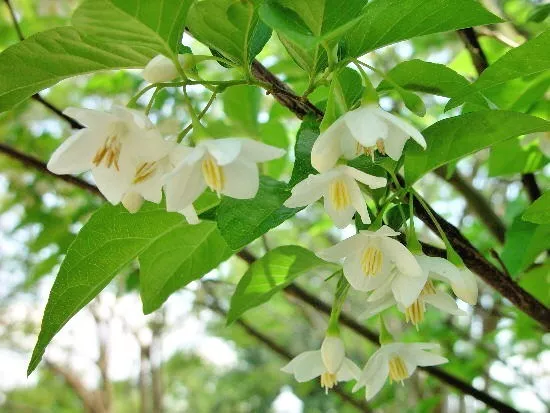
(132,201)
(333,353)
(162,69)
(465,287)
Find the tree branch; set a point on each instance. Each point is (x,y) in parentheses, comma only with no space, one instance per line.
(480,61)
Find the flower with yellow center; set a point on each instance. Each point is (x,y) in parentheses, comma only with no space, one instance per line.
(341,192)
(363,131)
(373,261)
(329,363)
(398,361)
(120,148)
(227,166)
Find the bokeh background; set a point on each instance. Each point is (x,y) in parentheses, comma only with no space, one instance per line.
(183,358)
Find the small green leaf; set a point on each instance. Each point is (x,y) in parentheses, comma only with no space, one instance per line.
(181,255)
(270,274)
(509,157)
(306,137)
(413,102)
(524,242)
(242,105)
(456,137)
(155,27)
(229,27)
(396,216)
(346,90)
(539,211)
(46,58)
(389,21)
(539,14)
(241,221)
(530,58)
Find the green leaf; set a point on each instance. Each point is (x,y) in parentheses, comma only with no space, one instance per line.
(183,254)
(433,78)
(241,221)
(389,21)
(524,242)
(242,105)
(396,216)
(48,57)
(229,27)
(274,133)
(539,14)
(530,58)
(270,274)
(456,137)
(308,133)
(509,157)
(104,246)
(539,211)
(346,89)
(154,27)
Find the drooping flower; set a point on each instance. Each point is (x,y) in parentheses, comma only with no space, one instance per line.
(363,130)
(162,69)
(373,261)
(329,363)
(122,149)
(398,361)
(227,166)
(340,190)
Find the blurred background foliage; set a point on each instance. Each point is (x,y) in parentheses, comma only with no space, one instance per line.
(183,358)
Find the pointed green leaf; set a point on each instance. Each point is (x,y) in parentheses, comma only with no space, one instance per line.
(272,273)
(454,138)
(539,211)
(389,21)
(345,91)
(308,133)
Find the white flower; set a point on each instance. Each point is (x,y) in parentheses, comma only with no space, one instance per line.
(339,188)
(162,69)
(543,139)
(330,363)
(359,131)
(227,166)
(373,261)
(462,280)
(122,149)
(399,361)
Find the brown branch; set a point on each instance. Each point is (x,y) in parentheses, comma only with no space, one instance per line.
(480,61)
(477,202)
(15,21)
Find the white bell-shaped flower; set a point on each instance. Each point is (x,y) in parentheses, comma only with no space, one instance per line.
(374,261)
(162,69)
(227,166)
(341,192)
(329,363)
(362,131)
(122,149)
(398,361)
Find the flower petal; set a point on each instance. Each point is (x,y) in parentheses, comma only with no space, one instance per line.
(76,153)
(376,307)
(406,289)
(309,190)
(89,117)
(224,150)
(183,187)
(421,357)
(327,148)
(357,200)
(241,179)
(159,69)
(404,260)
(112,184)
(395,142)
(365,126)
(255,151)
(406,127)
(305,366)
(383,231)
(341,217)
(190,214)
(357,278)
(444,302)
(371,181)
(348,371)
(333,353)
(345,248)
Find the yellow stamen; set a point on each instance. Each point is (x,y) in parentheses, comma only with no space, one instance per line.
(110,152)
(328,381)
(371,261)
(369,151)
(213,174)
(415,313)
(428,289)
(398,371)
(144,171)
(380,146)
(339,195)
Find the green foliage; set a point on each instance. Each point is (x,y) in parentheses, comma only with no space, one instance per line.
(231,28)
(107,243)
(539,211)
(308,133)
(454,138)
(241,221)
(270,274)
(389,21)
(345,91)
(138,24)
(528,59)
(509,157)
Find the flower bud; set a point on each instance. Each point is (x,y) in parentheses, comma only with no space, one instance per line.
(333,353)
(162,69)
(132,201)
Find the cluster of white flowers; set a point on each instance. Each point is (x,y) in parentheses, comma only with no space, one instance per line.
(373,261)
(131,162)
